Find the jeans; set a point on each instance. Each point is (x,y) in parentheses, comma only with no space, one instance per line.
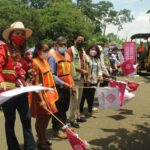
(19,103)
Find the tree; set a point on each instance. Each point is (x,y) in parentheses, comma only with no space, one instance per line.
(103,13)
(114,38)
(48,22)
(66,20)
(40,4)
(148,12)
(10,13)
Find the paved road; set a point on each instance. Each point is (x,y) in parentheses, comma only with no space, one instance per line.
(124,129)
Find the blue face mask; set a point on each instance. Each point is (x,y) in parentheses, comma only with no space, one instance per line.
(106,50)
(62,49)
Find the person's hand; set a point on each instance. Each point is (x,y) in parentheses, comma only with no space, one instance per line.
(100,78)
(90,77)
(73,91)
(3,85)
(84,72)
(66,85)
(111,71)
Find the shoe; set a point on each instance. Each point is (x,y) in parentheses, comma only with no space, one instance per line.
(91,114)
(49,142)
(82,115)
(81,120)
(70,128)
(44,147)
(61,134)
(95,110)
(74,124)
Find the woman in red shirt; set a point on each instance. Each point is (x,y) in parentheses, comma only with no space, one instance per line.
(14,73)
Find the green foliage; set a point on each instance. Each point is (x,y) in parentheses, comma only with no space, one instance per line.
(64,20)
(97,39)
(48,23)
(10,13)
(112,38)
(148,12)
(103,13)
(52,18)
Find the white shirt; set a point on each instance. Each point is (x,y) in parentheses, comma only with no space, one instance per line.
(95,71)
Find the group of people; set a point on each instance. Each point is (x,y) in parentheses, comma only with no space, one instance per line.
(72,73)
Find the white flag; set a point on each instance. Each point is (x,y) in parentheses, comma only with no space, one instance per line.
(108,97)
(4,96)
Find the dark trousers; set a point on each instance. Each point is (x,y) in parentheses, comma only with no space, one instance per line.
(62,106)
(88,94)
(20,103)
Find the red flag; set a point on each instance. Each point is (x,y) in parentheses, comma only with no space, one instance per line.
(75,141)
(121,86)
(132,86)
(127,67)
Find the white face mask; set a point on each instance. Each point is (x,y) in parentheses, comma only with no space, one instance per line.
(44,55)
(62,49)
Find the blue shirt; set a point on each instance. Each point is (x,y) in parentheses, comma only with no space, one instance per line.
(53,65)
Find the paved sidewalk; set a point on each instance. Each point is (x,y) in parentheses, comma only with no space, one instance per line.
(124,129)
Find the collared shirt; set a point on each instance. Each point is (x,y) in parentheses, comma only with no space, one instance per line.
(53,65)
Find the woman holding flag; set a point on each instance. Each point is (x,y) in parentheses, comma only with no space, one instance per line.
(43,103)
(14,73)
(95,75)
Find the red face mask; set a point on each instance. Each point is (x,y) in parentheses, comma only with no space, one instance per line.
(18,40)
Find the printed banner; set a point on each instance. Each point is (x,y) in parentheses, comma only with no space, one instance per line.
(130,51)
(108,97)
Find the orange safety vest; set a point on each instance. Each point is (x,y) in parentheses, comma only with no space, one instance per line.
(8,71)
(50,97)
(63,67)
(141,48)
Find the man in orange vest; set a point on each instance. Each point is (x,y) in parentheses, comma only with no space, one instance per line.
(142,55)
(61,66)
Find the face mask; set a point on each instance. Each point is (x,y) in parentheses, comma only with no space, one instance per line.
(44,55)
(79,45)
(62,49)
(18,40)
(106,50)
(93,53)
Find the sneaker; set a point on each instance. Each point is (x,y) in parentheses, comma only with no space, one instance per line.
(81,120)
(82,115)
(74,124)
(61,134)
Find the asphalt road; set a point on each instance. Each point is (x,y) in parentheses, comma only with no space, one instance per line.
(124,129)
